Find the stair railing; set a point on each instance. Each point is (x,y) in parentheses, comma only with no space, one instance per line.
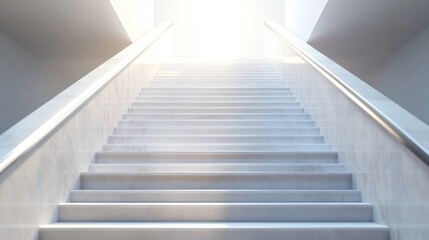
(25,135)
(402,125)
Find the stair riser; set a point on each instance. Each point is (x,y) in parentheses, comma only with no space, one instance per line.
(216,123)
(225,78)
(199,70)
(106,157)
(216,234)
(210,70)
(219,131)
(212,213)
(214,196)
(215,85)
(267,117)
(216,104)
(262,66)
(301,181)
(212,98)
(207,77)
(217,91)
(199,168)
(268,68)
(217,74)
(215,147)
(242,94)
(198,82)
(154,140)
(149,110)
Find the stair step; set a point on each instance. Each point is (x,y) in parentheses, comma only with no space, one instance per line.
(214,231)
(202,74)
(207,75)
(295,181)
(258,104)
(196,67)
(218,82)
(213,139)
(177,130)
(220,72)
(215,73)
(215,167)
(192,89)
(163,93)
(251,67)
(216,85)
(232,147)
(197,82)
(202,195)
(216,110)
(232,116)
(237,79)
(215,212)
(213,98)
(233,75)
(210,70)
(217,157)
(217,123)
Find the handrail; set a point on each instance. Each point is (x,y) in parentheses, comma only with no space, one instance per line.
(32,130)
(406,128)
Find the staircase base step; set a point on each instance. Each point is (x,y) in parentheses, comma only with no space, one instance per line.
(214,231)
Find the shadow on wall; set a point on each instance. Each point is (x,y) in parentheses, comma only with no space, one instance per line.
(48,45)
(72,37)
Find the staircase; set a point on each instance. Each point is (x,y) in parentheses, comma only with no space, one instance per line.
(216,152)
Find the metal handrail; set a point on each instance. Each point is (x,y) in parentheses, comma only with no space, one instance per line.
(414,135)
(32,130)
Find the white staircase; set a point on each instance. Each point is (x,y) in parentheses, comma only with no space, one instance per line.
(216,152)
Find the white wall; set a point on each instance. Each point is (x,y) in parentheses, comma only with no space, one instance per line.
(361,34)
(136,16)
(221,27)
(72,37)
(371,39)
(405,76)
(301,16)
(275,11)
(25,82)
(75,36)
(69,37)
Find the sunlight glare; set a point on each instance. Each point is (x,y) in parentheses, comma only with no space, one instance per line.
(218,25)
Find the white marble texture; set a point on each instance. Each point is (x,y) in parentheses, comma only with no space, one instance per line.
(33,183)
(388,173)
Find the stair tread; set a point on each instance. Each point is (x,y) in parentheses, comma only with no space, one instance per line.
(264,191)
(171,174)
(218,135)
(323,204)
(212,225)
(221,164)
(218,114)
